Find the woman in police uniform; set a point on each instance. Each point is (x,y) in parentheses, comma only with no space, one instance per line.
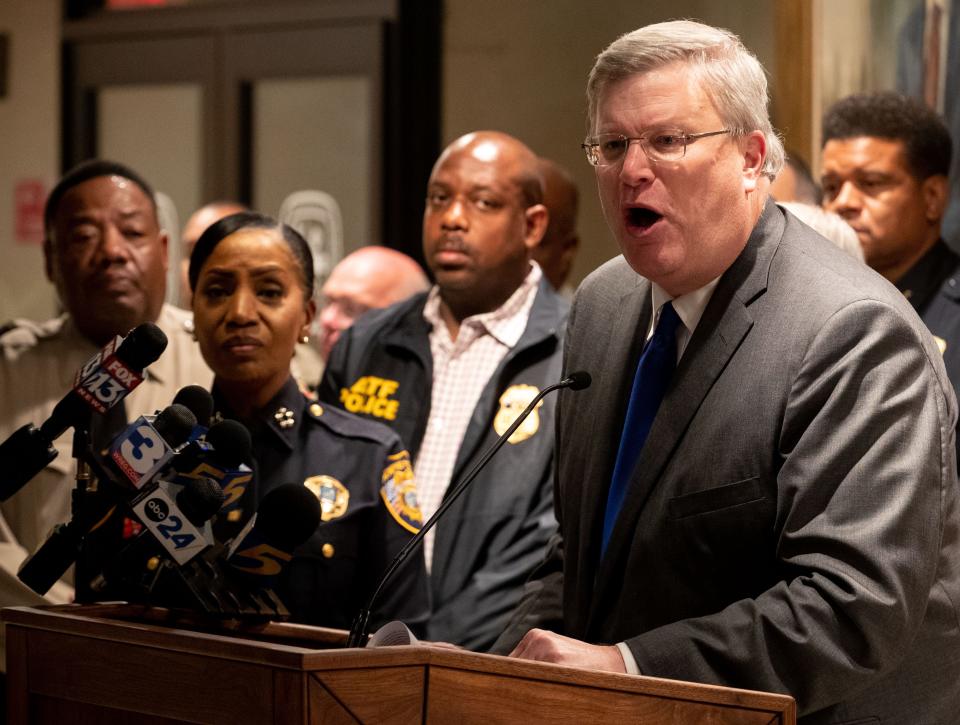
(252,283)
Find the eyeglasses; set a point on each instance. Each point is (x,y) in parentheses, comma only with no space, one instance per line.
(660,144)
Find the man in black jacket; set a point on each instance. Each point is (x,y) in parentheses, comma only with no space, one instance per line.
(451,369)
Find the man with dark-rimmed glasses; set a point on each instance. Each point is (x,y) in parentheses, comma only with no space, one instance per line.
(759,489)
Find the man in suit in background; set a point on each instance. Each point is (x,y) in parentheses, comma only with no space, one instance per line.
(764,495)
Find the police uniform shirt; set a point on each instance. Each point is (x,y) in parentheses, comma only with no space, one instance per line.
(932,286)
(362,476)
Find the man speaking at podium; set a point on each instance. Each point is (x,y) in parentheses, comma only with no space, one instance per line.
(759,489)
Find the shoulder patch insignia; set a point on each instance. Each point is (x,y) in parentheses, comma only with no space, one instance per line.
(512,402)
(333,496)
(399,492)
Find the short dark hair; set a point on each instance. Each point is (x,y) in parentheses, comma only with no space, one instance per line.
(218,231)
(91,169)
(896,117)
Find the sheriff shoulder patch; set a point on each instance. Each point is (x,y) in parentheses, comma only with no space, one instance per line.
(399,492)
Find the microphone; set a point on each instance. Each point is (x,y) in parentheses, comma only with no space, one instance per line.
(200,499)
(287,516)
(178,531)
(237,581)
(175,522)
(103,381)
(358,632)
(107,377)
(147,445)
(198,400)
(136,458)
(222,455)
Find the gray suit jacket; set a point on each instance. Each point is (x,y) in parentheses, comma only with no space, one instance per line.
(792,523)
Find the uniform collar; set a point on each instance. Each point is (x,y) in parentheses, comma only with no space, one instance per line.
(279,420)
(923,279)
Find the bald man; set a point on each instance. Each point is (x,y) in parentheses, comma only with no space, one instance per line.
(558,248)
(795,183)
(369,278)
(452,368)
(196,225)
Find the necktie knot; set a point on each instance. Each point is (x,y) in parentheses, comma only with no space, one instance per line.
(666,330)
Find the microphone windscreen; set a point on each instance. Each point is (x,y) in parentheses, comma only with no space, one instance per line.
(579,380)
(231,443)
(142,346)
(198,400)
(200,499)
(175,423)
(288,516)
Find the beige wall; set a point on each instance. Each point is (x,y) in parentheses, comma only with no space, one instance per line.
(515,65)
(29,144)
(520,66)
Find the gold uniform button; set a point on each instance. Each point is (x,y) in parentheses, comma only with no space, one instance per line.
(316,409)
(327,550)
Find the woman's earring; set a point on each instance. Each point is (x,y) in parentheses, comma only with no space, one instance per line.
(305,339)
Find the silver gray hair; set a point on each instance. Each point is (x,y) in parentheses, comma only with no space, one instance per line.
(731,75)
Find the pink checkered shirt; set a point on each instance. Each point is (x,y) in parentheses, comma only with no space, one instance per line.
(461,369)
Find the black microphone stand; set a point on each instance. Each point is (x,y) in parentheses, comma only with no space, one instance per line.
(361,624)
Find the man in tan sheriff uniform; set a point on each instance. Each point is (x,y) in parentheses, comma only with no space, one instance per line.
(107,256)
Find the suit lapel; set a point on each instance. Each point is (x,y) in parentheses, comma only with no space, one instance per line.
(620,356)
(723,327)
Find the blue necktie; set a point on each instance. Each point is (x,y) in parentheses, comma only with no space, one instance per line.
(653,375)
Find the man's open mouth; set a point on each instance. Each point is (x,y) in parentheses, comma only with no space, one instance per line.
(639,217)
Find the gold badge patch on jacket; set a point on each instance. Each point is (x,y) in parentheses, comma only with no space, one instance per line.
(399,492)
(333,496)
(512,402)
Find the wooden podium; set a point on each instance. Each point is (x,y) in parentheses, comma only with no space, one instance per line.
(123,664)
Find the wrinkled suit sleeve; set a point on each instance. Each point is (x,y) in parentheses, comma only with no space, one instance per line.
(867,471)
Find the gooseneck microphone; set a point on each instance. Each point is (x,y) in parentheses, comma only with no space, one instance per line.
(358,632)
